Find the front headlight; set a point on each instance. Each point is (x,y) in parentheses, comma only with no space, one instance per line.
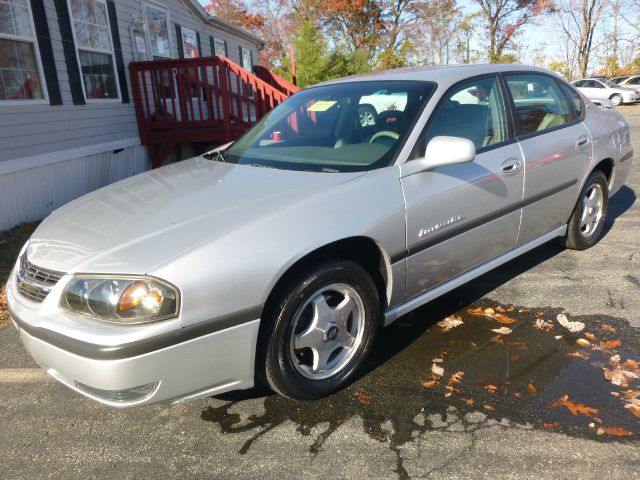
(121,299)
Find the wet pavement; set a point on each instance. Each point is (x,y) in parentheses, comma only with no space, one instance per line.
(553,393)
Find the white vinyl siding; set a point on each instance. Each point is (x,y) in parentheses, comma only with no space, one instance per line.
(90,23)
(20,68)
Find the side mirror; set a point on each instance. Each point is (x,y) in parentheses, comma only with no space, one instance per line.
(442,151)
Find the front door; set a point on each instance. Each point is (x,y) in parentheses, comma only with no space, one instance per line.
(459,216)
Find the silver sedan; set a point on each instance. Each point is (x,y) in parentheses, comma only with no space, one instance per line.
(601,89)
(277,259)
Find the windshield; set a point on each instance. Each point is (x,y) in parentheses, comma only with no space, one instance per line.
(346,127)
(609,83)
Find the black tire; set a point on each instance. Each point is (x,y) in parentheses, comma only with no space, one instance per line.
(616,99)
(276,354)
(577,238)
(367,116)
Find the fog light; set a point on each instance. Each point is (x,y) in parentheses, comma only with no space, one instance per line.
(128,395)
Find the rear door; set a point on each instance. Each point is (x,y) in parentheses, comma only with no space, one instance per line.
(556,148)
(459,216)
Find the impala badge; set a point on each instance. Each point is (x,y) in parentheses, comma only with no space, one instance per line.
(434,228)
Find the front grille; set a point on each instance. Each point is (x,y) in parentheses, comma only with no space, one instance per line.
(34,282)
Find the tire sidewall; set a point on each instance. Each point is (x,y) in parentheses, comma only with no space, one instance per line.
(580,240)
(618,97)
(281,373)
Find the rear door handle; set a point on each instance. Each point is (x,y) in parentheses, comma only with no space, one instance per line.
(582,140)
(511,166)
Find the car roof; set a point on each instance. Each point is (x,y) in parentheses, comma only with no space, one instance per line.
(442,74)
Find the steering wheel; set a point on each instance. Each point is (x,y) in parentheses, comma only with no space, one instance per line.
(384,133)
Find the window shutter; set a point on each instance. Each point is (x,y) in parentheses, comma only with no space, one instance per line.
(226,51)
(75,82)
(212,45)
(199,44)
(117,50)
(240,57)
(46,52)
(180,47)
(251,58)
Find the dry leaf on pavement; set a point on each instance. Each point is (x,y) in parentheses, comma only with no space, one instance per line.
(437,370)
(543,325)
(491,388)
(615,431)
(574,408)
(531,388)
(362,398)
(449,323)
(476,312)
(590,336)
(503,319)
(608,328)
(502,330)
(611,344)
(583,342)
(571,326)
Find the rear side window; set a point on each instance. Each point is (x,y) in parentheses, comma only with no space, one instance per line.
(634,81)
(574,98)
(539,103)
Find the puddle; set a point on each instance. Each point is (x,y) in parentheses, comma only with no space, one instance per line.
(537,377)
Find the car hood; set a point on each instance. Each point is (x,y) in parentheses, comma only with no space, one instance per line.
(141,222)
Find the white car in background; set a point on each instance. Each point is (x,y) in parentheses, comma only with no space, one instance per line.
(632,81)
(601,89)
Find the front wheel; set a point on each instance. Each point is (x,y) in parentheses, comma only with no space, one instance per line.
(616,99)
(318,334)
(587,220)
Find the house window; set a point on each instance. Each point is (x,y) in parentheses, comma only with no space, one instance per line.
(246,59)
(220,47)
(19,62)
(189,43)
(95,50)
(157,20)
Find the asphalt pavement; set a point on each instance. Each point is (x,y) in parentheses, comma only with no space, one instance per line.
(537,402)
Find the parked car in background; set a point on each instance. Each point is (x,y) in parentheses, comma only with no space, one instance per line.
(618,80)
(632,81)
(596,89)
(277,259)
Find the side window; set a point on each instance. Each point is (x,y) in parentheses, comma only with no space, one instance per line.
(574,98)
(596,84)
(634,81)
(473,110)
(539,103)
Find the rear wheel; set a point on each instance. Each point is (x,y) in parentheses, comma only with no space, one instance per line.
(616,99)
(587,220)
(318,334)
(367,115)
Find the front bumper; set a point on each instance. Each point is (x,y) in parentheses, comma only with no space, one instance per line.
(209,363)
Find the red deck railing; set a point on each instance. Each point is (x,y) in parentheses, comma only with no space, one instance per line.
(208,99)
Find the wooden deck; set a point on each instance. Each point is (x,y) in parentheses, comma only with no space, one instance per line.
(208,99)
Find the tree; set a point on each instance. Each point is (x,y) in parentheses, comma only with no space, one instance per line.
(466,33)
(236,12)
(440,21)
(504,19)
(579,19)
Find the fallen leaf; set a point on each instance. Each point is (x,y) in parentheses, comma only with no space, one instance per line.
(543,325)
(512,308)
(468,401)
(518,344)
(517,394)
(437,370)
(582,355)
(489,312)
(607,328)
(430,383)
(583,342)
(500,308)
(558,337)
(476,312)
(631,365)
(489,407)
(491,388)
(538,314)
(524,310)
(574,408)
(611,344)
(502,330)
(362,398)
(497,339)
(571,326)
(455,378)
(616,431)
(551,425)
(503,319)
(532,389)
(590,336)
(437,360)
(449,323)
(451,389)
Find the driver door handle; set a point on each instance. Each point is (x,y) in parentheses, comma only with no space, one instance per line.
(582,140)
(511,166)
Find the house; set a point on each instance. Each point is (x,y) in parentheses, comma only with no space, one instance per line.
(67,115)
